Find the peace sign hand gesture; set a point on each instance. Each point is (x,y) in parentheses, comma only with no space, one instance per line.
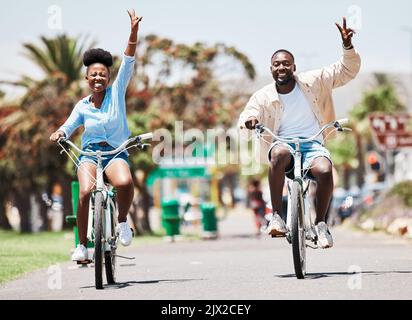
(134,20)
(346,33)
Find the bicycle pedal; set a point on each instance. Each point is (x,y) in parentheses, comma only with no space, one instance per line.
(278,235)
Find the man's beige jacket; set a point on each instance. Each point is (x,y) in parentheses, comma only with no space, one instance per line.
(316,85)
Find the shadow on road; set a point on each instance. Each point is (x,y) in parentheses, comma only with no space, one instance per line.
(122,285)
(240,236)
(337,274)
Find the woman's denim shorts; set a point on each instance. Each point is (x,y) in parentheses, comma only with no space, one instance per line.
(93,147)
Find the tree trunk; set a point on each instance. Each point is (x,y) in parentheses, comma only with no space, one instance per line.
(66,182)
(134,213)
(22,203)
(346,177)
(220,193)
(43,212)
(4,221)
(145,206)
(142,221)
(229,180)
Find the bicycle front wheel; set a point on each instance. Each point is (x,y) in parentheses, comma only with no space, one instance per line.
(98,239)
(110,256)
(298,230)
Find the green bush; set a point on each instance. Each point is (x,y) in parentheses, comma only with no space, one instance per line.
(404,191)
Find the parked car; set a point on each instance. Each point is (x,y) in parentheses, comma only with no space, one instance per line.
(344,204)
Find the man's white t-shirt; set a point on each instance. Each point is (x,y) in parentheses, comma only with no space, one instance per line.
(298,119)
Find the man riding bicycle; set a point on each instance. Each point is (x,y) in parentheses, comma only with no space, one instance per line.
(103,115)
(297,105)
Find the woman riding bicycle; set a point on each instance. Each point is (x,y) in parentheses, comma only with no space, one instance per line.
(103,115)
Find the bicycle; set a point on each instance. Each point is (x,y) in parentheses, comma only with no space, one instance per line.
(299,221)
(102,222)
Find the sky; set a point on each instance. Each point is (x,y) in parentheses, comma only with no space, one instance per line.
(256,28)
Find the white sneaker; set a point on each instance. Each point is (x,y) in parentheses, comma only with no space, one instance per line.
(324,236)
(125,233)
(276,227)
(80,253)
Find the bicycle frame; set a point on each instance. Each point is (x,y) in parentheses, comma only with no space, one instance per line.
(297,155)
(110,212)
(305,184)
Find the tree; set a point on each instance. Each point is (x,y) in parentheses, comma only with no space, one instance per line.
(343,152)
(382,98)
(182,82)
(60,59)
(157,95)
(33,163)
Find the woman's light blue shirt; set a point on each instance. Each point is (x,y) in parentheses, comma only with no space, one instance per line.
(108,123)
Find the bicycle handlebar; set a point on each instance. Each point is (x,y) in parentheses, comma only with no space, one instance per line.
(334,124)
(146,136)
(138,139)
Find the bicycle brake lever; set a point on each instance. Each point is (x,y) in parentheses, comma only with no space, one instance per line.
(64,145)
(141,146)
(338,126)
(259,129)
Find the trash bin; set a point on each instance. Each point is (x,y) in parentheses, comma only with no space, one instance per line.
(209,220)
(72,220)
(170,217)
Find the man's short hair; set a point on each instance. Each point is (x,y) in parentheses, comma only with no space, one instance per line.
(282,50)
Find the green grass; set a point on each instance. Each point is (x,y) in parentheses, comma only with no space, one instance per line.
(23,253)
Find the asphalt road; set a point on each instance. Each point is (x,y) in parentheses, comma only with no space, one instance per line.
(237,266)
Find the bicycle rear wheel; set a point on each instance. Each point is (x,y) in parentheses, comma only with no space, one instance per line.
(98,239)
(298,230)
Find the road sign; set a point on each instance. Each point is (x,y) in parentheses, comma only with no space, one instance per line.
(391,130)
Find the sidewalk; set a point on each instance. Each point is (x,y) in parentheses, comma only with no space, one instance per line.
(238,222)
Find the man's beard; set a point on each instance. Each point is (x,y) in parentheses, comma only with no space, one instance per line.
(284,81)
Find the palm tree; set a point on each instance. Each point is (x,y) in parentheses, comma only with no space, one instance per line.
(383,98)
(59,58)
(35,164)
(343,152)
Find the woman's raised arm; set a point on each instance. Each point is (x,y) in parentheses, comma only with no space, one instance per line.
(131,46)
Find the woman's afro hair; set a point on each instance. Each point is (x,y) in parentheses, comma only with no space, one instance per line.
(92,56)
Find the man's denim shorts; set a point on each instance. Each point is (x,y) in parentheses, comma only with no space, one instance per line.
(92,147)
(310,151)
